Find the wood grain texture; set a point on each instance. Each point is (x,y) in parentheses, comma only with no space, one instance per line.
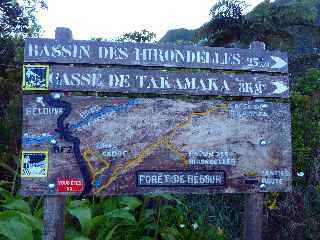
(41,50)
(250,142)
(53,214)
(253,217)
(53,217)
(66,78)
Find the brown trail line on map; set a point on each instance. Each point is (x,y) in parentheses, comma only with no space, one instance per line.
(182,156)
(86,155)
(160,135)
(163,140)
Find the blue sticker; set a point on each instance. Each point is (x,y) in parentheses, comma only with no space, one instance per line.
(98,183)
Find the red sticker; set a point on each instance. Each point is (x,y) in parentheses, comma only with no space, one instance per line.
(69,185)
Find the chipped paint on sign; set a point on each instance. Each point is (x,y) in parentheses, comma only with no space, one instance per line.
(145,54)
(102,79)
(157,134)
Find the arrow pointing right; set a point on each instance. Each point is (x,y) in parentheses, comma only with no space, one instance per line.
(280,87)
(280,63)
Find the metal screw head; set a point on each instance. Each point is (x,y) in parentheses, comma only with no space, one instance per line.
(51,186)
(300,174)
(263,142)
(262,185)
(57,95)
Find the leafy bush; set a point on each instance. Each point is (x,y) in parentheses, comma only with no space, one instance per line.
(20,218)
(128,217)
(297,215)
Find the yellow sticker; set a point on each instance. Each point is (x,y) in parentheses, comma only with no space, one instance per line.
(34,164)
(35,77)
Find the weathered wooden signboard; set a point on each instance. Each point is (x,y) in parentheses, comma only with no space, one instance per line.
(66,78)
(101,52)
(119,145)
(137,145)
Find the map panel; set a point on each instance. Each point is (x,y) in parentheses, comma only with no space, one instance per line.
(111,146)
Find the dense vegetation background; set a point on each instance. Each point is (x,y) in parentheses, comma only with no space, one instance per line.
(286,25)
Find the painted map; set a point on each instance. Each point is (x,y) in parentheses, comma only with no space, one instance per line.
(110,146)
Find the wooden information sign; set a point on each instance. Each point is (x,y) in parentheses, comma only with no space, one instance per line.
(134,146)
(93,145)
(163,55)
(66,78)
(119,145)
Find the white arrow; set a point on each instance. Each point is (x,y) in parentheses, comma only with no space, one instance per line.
(280,63)
(40,100)
(280,87)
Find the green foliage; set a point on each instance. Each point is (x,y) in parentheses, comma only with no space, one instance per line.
(270,22)
(127,217)
(179,36)
(9,152)
(309,85)
(298,213)
(226,24)
(17,220)
(161,217)
(12,18)
(18,18)
(306,124)
(142,36)
(81,210)
(228,10)
(294,12)
(220,210)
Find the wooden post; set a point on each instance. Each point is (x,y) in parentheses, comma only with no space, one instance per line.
(253,210)
(53,216)
(253,217)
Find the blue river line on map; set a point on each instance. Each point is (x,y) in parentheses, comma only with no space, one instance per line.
(102,112)
(38,139)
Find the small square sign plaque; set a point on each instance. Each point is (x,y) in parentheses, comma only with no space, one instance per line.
(35,77)
(69,185)
(34,164)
